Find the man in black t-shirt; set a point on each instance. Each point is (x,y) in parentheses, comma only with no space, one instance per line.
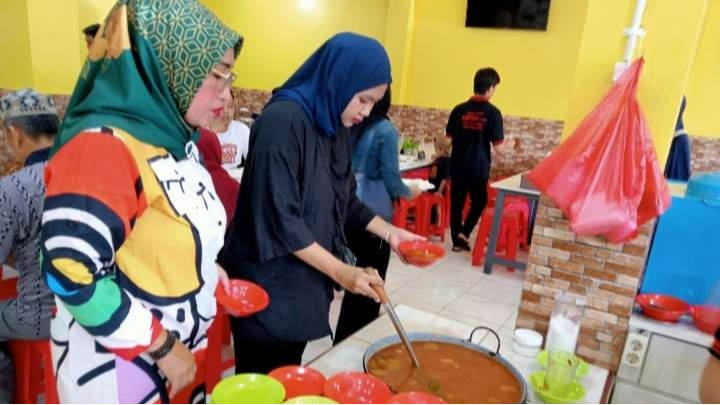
(709,388)
(474,126)
(440,169)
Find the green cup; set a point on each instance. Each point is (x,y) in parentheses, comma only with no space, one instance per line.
(560,372)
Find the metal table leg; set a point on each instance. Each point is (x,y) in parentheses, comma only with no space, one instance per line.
(492,244)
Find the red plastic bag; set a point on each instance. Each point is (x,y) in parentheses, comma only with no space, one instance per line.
(605,177)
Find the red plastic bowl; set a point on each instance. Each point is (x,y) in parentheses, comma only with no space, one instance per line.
(246,298)
(706,318)
(299,381)
(662,307)
(415,397)
(352,387)
(421,253)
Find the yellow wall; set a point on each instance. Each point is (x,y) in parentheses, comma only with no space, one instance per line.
(434,56)
(534,65)
(596,58)
(281,34)
(670,54)
(15,63)
(53,37)
(44,39)
(669,59)
(91,12)
(703,91)
(398,42)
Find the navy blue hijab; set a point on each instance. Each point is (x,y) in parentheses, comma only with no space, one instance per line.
(678,166)
(324,85)
(680,125)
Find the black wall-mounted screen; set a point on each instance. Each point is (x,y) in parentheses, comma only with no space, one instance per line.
(513,14)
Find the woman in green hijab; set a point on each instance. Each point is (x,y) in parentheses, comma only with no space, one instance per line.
(132,224)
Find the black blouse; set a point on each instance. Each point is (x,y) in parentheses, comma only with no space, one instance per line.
(296,187)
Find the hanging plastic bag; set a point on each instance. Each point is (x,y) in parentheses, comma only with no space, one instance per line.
(605,177)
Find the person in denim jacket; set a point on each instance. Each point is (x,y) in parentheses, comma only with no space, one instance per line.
(375,155)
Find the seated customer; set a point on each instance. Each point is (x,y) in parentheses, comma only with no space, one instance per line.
(234,137)
(440,171)
(29,122)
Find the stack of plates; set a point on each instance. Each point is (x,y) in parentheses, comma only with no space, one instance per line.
(423,185)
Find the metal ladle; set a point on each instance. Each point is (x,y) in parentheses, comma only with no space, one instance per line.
(385,300)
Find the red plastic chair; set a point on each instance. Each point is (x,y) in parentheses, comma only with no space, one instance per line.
(523,220)
(429,202)
(514,203)
(507,238)
(423,174)
(218,336)
(403,208)
(34,372)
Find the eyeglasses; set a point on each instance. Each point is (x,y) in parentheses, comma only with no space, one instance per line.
(224,80)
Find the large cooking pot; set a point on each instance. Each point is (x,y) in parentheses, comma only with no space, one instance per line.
(431,337)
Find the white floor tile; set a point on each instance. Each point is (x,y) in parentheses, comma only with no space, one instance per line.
(489,290)
(511,278)
(455,274)
(470,320)
(483,309)
(397,279)
(335,310)
(432,292)
(413,301)
(506,339)
(316,348)
(349,351)
(510,323)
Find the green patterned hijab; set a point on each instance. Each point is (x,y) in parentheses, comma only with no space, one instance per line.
(145,66)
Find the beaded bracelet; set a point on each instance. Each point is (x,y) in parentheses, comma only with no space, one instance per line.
(165,348)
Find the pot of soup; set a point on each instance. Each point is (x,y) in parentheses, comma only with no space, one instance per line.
(451,368)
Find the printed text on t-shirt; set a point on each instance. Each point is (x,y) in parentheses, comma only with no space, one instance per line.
(474,120)
(229,151)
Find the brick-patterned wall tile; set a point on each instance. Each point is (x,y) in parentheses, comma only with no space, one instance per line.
(7,163)
(705,154)
(248,101)
(535,137)
(625,291)
(606,274)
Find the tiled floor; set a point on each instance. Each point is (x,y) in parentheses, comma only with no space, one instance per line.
(452,289)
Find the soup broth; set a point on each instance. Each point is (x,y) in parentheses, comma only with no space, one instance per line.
(451,372)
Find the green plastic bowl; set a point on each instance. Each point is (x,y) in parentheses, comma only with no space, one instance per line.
(576,393)
(248,389)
